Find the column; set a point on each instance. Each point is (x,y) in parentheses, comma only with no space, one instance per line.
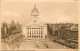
(31,32)
(27,33)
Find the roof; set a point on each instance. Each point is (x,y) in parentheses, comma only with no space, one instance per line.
(35,9)
(36,25)
(74,28)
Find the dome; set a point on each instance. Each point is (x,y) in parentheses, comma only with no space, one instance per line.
(35,9)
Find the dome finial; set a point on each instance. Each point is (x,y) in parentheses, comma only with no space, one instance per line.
(35,5)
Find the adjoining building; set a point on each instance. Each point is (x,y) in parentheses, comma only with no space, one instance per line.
(36,30)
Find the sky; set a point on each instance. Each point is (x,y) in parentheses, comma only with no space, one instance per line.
(49,12)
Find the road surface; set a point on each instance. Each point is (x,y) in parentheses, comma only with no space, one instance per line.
(21,43)
(27,45)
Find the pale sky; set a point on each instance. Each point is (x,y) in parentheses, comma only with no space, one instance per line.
(50,12)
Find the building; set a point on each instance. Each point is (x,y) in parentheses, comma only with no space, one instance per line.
(36,30)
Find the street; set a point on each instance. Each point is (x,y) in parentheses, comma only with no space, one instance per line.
(21,43)
(27,45)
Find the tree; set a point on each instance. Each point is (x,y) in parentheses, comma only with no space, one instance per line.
(4,30)
(18,27)
(13,26)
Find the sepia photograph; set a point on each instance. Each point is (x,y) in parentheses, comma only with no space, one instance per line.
(34,25)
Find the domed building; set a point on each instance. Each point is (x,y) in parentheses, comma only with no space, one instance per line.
(36,30)
(74,28)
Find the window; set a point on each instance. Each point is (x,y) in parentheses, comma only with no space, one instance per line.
(45,35)
(30,36)
(27,36)
(41,36)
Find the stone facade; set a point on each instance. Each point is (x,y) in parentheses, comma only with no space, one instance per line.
(35,31)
